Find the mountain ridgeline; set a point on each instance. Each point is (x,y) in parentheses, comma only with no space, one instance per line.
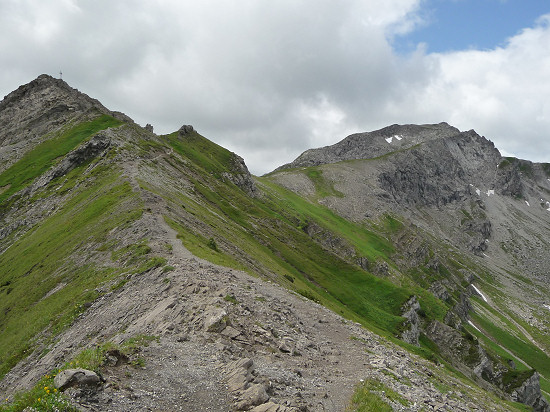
(404,268)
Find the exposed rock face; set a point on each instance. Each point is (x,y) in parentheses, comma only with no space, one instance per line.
(38,108)
(462,350)
(186,129)
(410,312)
(82,154)
(373,144)
(240,176)
(529,393)
(440,172)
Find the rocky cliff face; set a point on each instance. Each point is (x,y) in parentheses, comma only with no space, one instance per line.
(34,110)
(373,144)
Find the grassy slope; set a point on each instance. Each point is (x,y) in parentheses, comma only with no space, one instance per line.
(270,230)
(36,161)
(46,256)
(265,235)
(220,223)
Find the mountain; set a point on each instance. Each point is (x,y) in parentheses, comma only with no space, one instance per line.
(401,269)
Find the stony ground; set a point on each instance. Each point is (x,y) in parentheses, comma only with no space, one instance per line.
(231,341)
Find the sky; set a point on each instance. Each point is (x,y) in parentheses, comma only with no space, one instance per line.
(271,79)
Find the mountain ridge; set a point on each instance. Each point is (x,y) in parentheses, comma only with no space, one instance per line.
(127,233)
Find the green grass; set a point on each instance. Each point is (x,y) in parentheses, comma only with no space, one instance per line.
(45,397)
(44,258)
(201,151)
(323,187)
(368,397)
(523,349)
(265,236)
(36,161)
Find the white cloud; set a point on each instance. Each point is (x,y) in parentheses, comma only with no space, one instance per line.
(271,79)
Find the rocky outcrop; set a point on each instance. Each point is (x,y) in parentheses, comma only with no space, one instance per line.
(185,130)
(34,110)
(79,156)
(412,324)
(440,172)
(240,383)
(459,313)
(240,176)
(76,377)
(529,394)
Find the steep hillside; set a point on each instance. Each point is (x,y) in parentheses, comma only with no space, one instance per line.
(160,263)
(452,195)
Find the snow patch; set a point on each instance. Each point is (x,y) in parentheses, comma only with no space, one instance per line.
(527,203)
(478,192)
(490,192)
(474,326)
(388,139)
(398,137)
(546,306)
(479,293)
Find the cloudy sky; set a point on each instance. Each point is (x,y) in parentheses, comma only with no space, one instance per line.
(270,79)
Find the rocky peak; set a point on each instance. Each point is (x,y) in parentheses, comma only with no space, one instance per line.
(374,144)
(42,105)
(31,113)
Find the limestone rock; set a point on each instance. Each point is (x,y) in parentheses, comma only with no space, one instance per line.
(372,144)
(216,320)
(76,377)
(253,396)
(410,312)
(186,129)
(273,407)
(529,394)
(240,176)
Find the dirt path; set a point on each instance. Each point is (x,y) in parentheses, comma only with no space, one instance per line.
(303,356)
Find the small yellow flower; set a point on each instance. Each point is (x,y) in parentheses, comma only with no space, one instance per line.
(45,388)
(55,390)
(38,399)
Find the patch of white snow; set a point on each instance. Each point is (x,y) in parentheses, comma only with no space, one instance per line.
(478,191)
(474,326)
(388,139)
(527,203)
(490,192)
(546,306)
(398,137)
(479,293)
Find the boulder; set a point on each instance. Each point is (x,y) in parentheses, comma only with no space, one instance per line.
(185,129)
(253,396)
(76,377)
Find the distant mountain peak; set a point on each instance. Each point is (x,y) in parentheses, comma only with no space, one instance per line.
(373,144)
